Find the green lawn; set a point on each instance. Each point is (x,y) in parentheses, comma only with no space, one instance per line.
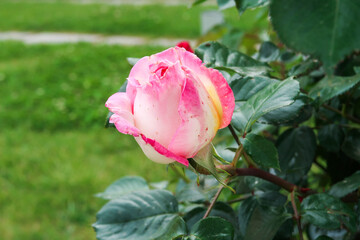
(54,152)
(149,20)
(48,180)
(58,87)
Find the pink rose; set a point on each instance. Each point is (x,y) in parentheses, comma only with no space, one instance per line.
(186,45)
(173,105)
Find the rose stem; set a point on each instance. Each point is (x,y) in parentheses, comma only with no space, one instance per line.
(242,198)
(233,133)
(296,215)
(256,172)
(213,201)
(351,118)
(182,176)
(237,156)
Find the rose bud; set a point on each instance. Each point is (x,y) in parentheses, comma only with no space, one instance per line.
(173,105)
(186,45)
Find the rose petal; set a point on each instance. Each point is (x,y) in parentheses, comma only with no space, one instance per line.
(155,106)
(198,126)
(214,82)
(225,94)
(170,55)
(158,153)
(186,45)
(140,71)
(120,105)
(123,124)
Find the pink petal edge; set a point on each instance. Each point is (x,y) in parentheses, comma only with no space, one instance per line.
(120,105)
(226,96)
(123,125)
(164,151)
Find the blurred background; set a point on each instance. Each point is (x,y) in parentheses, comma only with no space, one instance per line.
(59,62)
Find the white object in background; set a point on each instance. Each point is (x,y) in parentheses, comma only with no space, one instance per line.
(210,19)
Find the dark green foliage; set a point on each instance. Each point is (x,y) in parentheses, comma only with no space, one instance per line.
(331,137)
(351,145)
(346,186)
(327,212)
(260,218)
(268,52)
(140,215)
(211,228)
(242,5)
(216,55)
(124,186)
(325,29)
(272,97)
(262,151)
(297,148)
(333,86)
(220,209)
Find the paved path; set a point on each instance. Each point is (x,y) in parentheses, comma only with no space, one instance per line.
(56,38)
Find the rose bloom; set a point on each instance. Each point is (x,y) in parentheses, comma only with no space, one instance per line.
(173,105)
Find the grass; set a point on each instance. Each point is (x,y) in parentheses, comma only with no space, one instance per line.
(149,20)
(48,180)
(60,87)
(54,153)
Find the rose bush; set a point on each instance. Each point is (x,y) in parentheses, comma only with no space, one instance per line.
(173,105)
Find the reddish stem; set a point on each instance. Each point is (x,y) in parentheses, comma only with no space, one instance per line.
(256,172)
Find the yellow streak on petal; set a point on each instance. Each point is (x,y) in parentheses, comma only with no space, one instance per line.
(217,110)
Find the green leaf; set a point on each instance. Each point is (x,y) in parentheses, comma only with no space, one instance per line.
(297,149)
(262,151)
(196,191)
(212,228)
(332,86)
(225,4)
(255,183)
(327,30)
(260,218)
(242,5)
(331,137)
(245,87)
(140,216)
(351,145)
(268,52)
(107,123)
(323,237)
(346,186)
(336,234)
(327,212)
(220,209)
(160,185)
(216,55)
(274,96)
(124,186)
(293,114)
(304,68)
(205,159)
